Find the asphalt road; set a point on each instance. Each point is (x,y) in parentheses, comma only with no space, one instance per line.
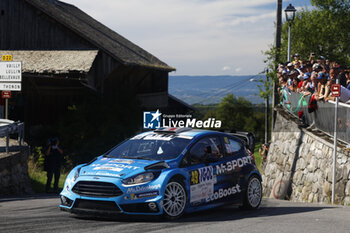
(41,214)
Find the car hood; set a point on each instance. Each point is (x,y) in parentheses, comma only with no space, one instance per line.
(114,167)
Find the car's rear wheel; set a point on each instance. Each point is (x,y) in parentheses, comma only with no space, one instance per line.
(175,200)
(253,195)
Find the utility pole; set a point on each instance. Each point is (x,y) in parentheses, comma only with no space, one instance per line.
(275,96)
(278,28)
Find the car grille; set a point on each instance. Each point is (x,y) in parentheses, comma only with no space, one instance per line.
(96,189)
(96,205)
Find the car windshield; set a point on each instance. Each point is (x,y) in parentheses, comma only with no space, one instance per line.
(151,147)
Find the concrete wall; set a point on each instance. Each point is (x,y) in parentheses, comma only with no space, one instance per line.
(299,164)
(14,178)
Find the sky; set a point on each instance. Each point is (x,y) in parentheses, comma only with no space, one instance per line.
(197,37)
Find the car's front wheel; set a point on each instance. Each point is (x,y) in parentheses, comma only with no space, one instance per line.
(175,200)
(253,194)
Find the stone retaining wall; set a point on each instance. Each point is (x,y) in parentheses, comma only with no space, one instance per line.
(299,164)
(14,178)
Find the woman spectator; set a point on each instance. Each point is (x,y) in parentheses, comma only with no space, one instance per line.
(311,86)
(294,86)
(321,86)
(330,81)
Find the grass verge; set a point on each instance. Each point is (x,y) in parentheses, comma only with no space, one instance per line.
(258,157)
(38,177)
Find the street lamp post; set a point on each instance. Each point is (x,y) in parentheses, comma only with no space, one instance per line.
(290,15)
(267,113)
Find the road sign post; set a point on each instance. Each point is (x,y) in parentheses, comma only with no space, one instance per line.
(6,95)
(10,78)
(336,91)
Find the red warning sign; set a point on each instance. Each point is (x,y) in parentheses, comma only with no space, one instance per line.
(6,94)
(336,90)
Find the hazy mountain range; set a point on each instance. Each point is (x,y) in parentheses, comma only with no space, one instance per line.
(211,89)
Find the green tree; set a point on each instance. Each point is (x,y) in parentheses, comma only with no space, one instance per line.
(323,30)
(233,112)
(236,114)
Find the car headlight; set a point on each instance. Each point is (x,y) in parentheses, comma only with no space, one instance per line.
(76,175)
(139,179)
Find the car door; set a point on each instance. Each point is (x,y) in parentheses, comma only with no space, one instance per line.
(201,159)
(230,171)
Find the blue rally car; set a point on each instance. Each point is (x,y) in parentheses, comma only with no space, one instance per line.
(169,171)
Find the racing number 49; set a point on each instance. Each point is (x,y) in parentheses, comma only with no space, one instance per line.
(194,177)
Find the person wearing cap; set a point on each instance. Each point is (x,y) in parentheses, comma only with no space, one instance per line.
(290,67)
(321,60)
(296,58)
(316,67)
(301,75)
(311,85)
(293,74)
(301,70)
(306,81)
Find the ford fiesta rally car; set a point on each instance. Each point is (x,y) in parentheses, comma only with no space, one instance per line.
(167,172)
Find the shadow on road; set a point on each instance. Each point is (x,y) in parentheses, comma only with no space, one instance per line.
(29,197)
(228,213)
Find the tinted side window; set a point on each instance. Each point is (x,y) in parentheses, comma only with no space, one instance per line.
(204,148)
(231,146)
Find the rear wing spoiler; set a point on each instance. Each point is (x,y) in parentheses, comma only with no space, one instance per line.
(247,137)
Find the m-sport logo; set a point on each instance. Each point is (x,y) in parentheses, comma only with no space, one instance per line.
(152,120)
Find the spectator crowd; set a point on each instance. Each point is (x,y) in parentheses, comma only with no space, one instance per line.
(314,78)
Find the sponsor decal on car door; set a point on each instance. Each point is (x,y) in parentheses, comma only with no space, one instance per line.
(209,182)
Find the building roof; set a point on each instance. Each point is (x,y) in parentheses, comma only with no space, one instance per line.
(98,34)
(182,102)
(52,61)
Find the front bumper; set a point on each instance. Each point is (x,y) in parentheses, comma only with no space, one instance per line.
(143,199)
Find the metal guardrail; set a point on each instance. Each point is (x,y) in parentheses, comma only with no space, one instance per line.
(8,127)
(323,117)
